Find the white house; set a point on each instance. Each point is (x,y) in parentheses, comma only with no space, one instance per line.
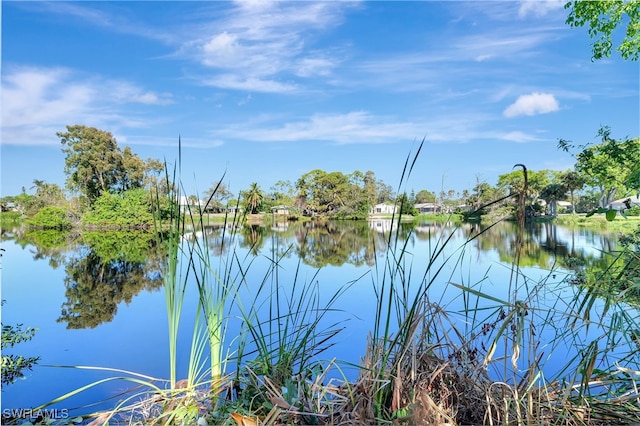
(426,207)
(384,208)
(625,203)
(190,204)
(563,205)
(280,210)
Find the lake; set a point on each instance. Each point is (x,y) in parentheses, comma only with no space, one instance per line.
(97,298)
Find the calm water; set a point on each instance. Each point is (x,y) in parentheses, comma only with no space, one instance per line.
(97,299)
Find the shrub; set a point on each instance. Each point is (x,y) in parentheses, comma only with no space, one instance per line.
(129,209)
(10,219)
(633,211)
(50,218)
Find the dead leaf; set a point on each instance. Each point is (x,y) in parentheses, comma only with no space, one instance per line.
(243,420)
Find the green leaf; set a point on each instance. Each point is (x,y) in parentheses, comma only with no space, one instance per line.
(611,214)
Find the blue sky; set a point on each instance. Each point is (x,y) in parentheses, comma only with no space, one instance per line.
(264,91)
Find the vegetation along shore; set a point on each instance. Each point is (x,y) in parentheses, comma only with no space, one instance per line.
(551,339)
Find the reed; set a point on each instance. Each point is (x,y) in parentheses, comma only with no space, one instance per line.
(498,360)
(486,364)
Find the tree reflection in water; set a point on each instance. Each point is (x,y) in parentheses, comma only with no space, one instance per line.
(104,269)
(110,267)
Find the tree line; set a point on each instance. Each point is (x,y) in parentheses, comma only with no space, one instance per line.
(110,186)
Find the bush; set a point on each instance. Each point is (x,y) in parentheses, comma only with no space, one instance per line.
(50,218)
(10,219)
(129,209)
(633,211)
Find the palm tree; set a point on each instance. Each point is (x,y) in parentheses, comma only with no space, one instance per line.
(253,197)
(573,181)
(552,193)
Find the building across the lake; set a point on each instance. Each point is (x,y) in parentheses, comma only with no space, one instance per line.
(281,210)
(625,203)
(384,208)
(424,208)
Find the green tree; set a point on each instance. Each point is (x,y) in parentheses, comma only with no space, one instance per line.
(217,196)
(282,192)
(573,181)
(370,187)
(153,172)
(131,175)
(513,182)
(603,17)
(331,194)
(48,194)
(356,204)
(384,192)
(253,198)
(553,193)
(482,196)
(612,165)
(424,196)
(405,206)
(94,163)
(26,204)
(588,201)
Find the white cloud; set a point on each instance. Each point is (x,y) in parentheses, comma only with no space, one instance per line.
(38,102)
(518,136)
(252,84)
(101,17)
(352,127)
(539,8)
(533,104)
(308,67)
(508,43)
(125,92)
(33,96)
(257,41)
(222,50)
(363,127)
(150,98)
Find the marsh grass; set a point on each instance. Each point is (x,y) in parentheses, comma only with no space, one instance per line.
(486,363)
(497,359)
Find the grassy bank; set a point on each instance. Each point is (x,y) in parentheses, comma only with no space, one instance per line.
(599,221)
(440,218)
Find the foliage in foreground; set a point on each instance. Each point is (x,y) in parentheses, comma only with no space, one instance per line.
(14,365)
(426,362)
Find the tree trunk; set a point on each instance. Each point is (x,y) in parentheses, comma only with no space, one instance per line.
(573,206)
(607,197)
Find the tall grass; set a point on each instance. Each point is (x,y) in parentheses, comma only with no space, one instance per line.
(488,362)
(494,359)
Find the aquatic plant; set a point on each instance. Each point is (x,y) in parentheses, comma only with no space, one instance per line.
(492,358)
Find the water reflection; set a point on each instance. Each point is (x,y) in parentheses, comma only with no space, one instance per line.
(105,269)
(102,269)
